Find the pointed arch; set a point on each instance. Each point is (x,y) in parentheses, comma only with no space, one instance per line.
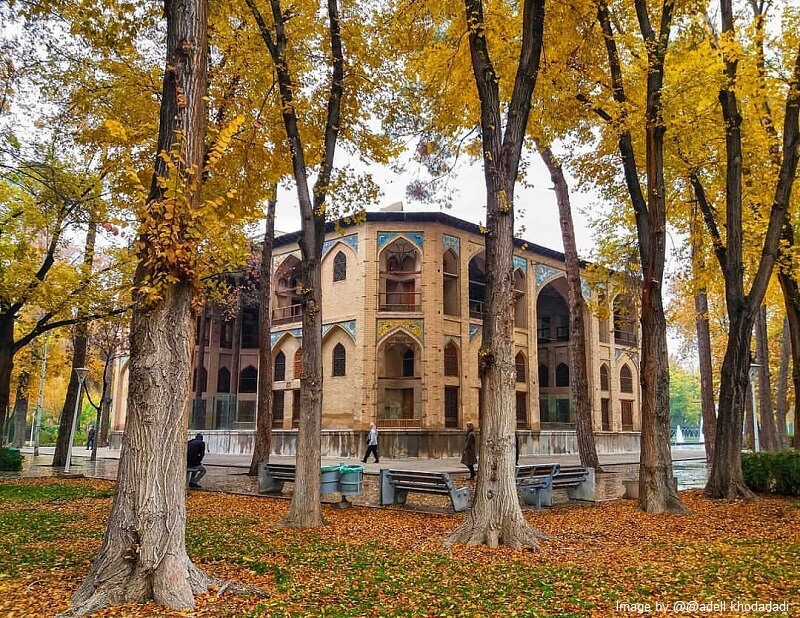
(279,367)
(562,375)
(544,376)
(400,265)
(248,380)
(605,382)
(339,266)
(224,380)
(520,299)
(339,360)
(451,293)
(625,379)
(477,285)
(451,363)
(520,366)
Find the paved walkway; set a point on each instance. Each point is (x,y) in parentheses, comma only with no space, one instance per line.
(229,472)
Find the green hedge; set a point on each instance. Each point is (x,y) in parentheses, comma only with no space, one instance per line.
(10,459)
(772,472)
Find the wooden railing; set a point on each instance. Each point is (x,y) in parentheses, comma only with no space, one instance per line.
(283,315)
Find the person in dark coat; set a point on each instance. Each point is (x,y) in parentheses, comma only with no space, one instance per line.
(372,443)
(469,458)
(90,438)
(195,452)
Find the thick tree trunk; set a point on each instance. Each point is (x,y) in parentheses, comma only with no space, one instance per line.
(496,518)
(768,434)
(726,479)
(263,436)
(6,364)
(791,300)
(143,553)
(579,374)
(21,408)
(782,390)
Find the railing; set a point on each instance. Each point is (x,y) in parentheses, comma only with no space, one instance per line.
(283,315)
(399,423)
(624,337)
(221,412)
(400,301)
(562,333)
(543,335)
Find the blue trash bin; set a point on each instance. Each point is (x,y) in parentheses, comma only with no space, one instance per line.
(351,479)
(329,479)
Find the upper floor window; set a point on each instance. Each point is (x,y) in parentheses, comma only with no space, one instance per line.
(624,322)
(562,375)
(340,267)
(280,367)
(248,380)
(544,376)
(450,360)
(223,380)
(477,286)
(339,360)
(450,285)
(400,265)
(203,379)
(408,363)
(519,365)
(604,382)
(250,327)
(625,379)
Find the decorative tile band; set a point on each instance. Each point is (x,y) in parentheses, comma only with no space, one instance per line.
(521,263)
(349,327)
(297,333)
(545,273)
(351,240)
(451,242)
(415,327)
(280,259)
(416,238)
(474,329)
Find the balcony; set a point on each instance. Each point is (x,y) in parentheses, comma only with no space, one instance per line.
(625,337)
(400,301)
(285,315)
(399,423)
(476,309)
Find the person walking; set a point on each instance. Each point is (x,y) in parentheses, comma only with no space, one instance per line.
(372,443)
(469,458)
(195,451)
(90,438)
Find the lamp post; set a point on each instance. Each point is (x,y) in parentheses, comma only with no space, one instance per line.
(80,372)
(754,367)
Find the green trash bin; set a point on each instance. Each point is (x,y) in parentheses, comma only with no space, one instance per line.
(329,479)
(351,479)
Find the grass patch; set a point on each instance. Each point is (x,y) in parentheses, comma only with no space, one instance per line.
(50,492)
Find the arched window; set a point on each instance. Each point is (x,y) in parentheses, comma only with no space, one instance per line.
(519,364)
(248,380)
(520,300)
(450,360)
(408,363)
(562,375)
(340,267)
(250,327)
(298,363)
(203,379)
(280,367)
(223,380)
(544,376)
(604,385)
(625,379)
(339,360)
(450,293)
(477,286)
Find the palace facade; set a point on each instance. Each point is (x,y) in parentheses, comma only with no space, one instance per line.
(402,311)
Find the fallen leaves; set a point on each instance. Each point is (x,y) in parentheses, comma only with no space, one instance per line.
(369,561)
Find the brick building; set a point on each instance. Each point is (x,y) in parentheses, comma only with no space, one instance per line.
(402,305)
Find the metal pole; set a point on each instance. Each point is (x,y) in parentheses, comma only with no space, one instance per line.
(753,370)
(37,420)
(81,374)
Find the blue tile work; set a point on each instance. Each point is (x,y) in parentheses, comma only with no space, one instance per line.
(351,240)
(521,263)
(545,273)
(451,242)
(349,327)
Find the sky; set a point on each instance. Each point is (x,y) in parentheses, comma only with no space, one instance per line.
(535,205)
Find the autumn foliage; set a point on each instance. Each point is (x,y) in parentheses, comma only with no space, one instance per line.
(369,561)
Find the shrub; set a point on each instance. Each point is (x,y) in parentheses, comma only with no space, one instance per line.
(10,459)
(776,473)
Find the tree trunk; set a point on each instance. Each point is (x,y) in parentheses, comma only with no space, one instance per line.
(782,391)
(749,439)
(79,346)
(21,408)
(726,479)
(65,421)
(143,553)
(579,375)
(707,407)
(496,517)
(791,300)
(768,434)
(6,363)
(263,436)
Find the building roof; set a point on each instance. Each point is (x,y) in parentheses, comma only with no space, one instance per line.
(425,217)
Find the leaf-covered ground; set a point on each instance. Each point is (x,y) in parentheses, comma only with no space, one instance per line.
(390,562)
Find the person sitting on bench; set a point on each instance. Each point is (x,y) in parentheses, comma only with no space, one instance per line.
(195,452)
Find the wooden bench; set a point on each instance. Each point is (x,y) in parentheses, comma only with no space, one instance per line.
(534,479)
(577,480)
(271,477)
(397,484)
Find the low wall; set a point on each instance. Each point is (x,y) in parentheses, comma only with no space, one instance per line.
(405,443)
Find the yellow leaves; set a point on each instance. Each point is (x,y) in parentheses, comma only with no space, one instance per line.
(116,130)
